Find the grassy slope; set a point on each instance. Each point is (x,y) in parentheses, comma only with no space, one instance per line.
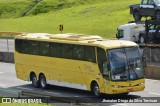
(100,17)
(13,8)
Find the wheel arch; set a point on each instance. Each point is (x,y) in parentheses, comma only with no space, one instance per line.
(40,75)
(30,76)
(92,83)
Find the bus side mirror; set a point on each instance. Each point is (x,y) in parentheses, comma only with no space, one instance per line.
(106,68)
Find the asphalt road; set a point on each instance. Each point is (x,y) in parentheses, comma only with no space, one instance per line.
(10,86)
(6,46)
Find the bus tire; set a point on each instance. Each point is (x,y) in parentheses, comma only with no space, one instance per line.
(35,82)
(95,89)
(43,82)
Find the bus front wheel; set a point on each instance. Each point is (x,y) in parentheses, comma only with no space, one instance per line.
(96,90)
(43,82)
(35,82)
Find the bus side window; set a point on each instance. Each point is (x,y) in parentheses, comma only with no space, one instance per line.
(18,44)
(66,51)
(24,47)
(21,46)
(33,47)
(43,49)
(90,54)
(78,52)
(55,49)
(101,55)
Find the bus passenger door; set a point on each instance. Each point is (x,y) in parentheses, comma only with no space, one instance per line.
(102,64)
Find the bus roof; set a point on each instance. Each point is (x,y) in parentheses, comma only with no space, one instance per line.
(77,39)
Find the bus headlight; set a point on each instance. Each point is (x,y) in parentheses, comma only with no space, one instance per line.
(141,83)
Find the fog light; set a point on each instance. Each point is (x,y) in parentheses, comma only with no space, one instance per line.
(116,86)
(114,90)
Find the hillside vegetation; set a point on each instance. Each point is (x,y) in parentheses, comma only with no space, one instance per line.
(100,17)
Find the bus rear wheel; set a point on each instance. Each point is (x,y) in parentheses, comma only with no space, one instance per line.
(35,82)
(43,82)
(96,90)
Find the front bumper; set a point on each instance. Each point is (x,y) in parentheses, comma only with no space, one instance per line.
(125,87)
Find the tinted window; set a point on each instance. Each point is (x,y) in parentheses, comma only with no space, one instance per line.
(21,46)
(78,52)
(43,48)
(90,54)
(150,2)
(33,47)
(18,44)
(120,33)
(24,47)
(144,2)
(55,49)
(66,51)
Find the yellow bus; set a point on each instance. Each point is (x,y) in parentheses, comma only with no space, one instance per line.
(79,61)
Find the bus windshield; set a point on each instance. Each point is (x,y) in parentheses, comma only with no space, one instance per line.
(157,2)
(125,64)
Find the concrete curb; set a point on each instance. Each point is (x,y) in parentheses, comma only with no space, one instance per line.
(7,57)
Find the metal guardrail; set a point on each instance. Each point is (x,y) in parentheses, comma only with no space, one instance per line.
(7,57)
(152,55)
(53,97)
(59,98)
(11,33)
(6,43)
(7,46)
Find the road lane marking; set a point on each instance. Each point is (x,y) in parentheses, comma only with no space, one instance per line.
(52,92)
(76,96)
(25,88)
(119,105)
(2,85)
(154,93)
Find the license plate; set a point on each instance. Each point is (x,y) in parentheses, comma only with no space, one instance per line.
(130,89)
